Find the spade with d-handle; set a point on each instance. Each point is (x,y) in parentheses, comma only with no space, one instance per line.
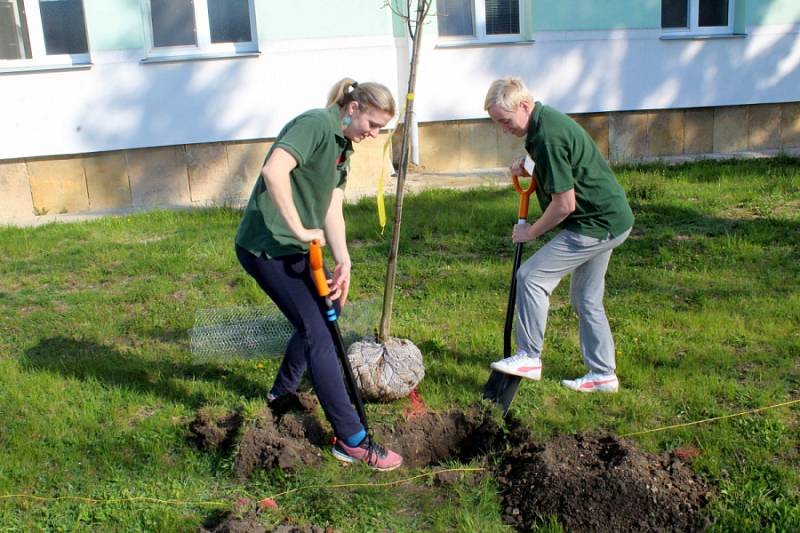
(501,388)
(320,281)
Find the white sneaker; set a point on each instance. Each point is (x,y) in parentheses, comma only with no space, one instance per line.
(593,382)
(520,364)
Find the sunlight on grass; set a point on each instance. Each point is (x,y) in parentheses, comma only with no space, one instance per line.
(98,384)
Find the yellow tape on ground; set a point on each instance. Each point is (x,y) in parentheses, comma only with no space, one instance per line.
(83,499)
(675,426)
(146,499)
(383,484)
(349,485)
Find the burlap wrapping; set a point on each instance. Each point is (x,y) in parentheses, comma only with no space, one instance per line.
(386,372)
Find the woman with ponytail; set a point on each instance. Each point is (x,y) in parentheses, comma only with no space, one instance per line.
(297,198)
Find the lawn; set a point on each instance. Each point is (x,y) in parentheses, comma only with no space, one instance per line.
(98,383)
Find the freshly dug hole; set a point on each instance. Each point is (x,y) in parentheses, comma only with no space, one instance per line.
(288,440)
(431,438)
(588,482)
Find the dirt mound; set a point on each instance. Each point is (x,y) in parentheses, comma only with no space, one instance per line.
(277,438)
(210,432)
(287,443)
(301,401)
(248,523)
(230,523)
(599,483)
(587,482)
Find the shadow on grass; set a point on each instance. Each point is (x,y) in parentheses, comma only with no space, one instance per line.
(88,360)
(470,226)
(680,240)
(750,225)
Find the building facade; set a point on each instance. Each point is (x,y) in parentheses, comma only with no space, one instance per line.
(109,104)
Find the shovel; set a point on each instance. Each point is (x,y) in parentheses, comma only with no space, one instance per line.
(501,388)
(320,281)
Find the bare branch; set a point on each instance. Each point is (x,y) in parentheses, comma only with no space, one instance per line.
(390,5)
(409,20)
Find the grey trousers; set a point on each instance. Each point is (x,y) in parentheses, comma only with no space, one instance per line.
(586,258)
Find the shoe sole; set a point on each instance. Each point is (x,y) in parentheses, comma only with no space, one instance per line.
(344,458)
(596,389)
(518,374)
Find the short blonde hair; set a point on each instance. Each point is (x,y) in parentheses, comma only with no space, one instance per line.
(507,93)
(368,95)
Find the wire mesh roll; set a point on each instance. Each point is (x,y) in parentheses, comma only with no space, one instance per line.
(262,331)
(247,332)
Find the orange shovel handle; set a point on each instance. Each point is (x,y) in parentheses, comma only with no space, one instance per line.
(524,195)
(317,270)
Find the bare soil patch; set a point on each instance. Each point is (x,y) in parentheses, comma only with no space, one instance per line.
(600,483)
(249,523)
(286,435)
(587,482)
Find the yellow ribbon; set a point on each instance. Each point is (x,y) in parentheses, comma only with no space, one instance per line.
(381,206)
(379,197)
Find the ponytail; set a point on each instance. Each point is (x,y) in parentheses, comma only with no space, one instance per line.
(368,95)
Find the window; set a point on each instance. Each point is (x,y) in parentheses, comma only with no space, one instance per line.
(197,27)
(481,20)
(702,17)
(42,32)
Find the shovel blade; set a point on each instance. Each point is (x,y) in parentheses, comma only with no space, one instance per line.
(501,389)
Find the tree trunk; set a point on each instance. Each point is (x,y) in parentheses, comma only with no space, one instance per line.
(423,7)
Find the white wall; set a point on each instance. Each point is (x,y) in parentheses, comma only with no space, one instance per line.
(593,71)
(120,103)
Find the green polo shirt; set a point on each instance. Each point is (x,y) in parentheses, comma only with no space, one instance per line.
(322,152)
(567,158)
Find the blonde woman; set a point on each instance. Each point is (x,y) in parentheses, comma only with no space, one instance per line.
(298,198)
(579,194)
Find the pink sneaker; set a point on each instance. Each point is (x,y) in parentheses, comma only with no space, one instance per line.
(592,382)
(369,451)
(520,364)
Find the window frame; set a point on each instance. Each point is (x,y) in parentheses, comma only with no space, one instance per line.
(204,46)
(39,58)
(694,28)
(479,35)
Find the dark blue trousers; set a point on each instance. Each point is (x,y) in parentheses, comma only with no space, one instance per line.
(287,281)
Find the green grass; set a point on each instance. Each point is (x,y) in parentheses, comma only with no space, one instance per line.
(97,382)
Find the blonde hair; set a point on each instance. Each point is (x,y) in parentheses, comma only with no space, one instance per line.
(368,95)
(507,93)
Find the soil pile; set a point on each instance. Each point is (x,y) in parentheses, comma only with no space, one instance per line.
(587,482)
(286,443)
(249,524)
(214,433)
(278,438)
(230,523)
(599,483)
